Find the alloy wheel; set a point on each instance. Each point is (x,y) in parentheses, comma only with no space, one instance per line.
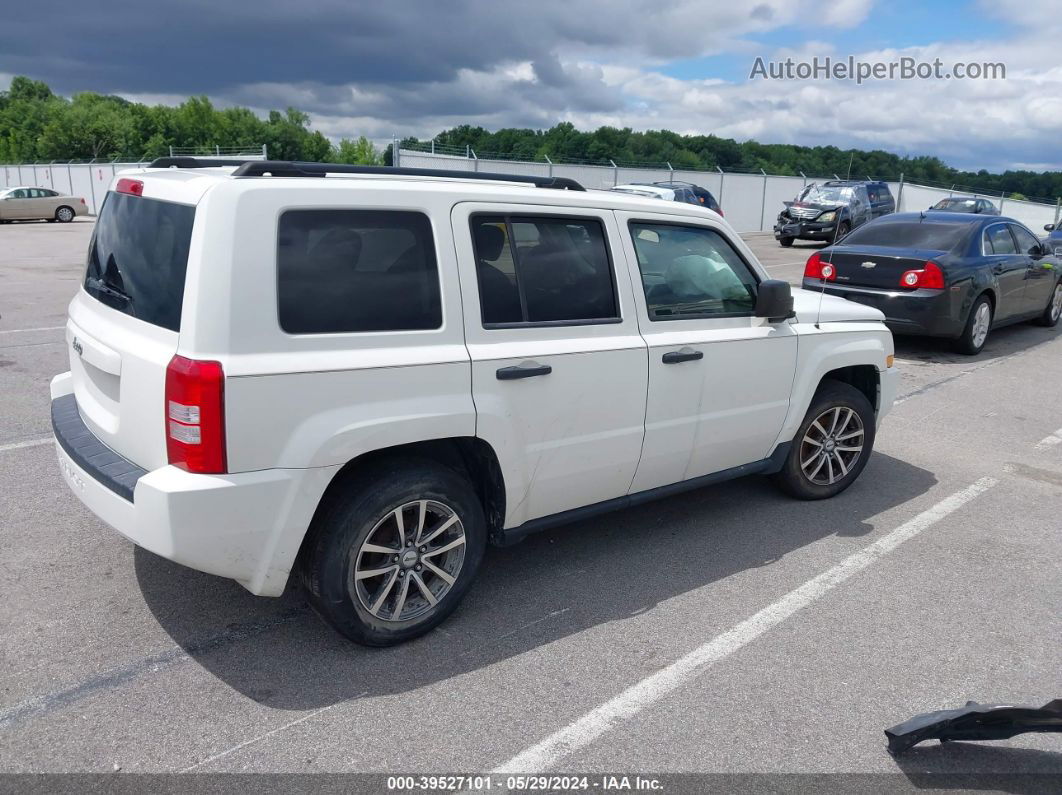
(831,445)
(982,322)
(408,561)
(65,215)
(1056,303)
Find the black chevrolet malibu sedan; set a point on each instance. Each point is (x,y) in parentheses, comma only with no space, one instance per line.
(942,274)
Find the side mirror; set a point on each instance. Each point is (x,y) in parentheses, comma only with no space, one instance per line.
(774,300)
(1049,227)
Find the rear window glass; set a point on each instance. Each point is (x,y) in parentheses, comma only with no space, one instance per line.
(344,271)
(936,236)
(138,257)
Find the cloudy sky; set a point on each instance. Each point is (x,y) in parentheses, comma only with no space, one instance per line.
(415,68)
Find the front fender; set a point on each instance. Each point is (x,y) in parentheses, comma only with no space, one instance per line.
(831,347)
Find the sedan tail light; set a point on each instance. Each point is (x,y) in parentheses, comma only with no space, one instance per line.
(817,269)
(930,276)
(195,415)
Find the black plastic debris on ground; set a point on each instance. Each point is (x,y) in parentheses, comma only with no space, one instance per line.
(975,722)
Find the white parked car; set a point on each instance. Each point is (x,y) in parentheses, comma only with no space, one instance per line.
(39,204)
(366,377)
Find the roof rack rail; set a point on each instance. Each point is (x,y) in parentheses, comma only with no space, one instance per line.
(286,168)
(196,162)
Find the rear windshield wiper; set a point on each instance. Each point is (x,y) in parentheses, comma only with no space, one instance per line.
(975,722)
(110,290)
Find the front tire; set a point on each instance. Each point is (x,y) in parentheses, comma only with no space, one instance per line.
(64,214)
(843,229)
(832,445)
(394,551)
(978,324)
(1053,311)
(785,242)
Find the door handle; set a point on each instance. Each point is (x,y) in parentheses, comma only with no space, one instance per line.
(685,355)
(523,371)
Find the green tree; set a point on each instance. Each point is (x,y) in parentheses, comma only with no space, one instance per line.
(91,125)
(356,152)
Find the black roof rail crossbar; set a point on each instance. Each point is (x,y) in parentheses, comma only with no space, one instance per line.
(286,168)
(196,162)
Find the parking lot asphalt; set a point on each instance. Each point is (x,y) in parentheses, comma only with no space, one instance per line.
(730,629)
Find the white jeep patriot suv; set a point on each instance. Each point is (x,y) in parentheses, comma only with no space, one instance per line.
(367,374)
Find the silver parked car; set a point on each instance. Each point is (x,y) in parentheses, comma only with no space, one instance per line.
(28,204)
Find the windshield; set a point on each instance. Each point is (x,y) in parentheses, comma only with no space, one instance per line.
(817,194)
(956,205)
(138,256)
(930,236)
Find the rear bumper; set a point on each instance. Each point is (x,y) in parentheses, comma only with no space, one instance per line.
(930,313)
(246,526)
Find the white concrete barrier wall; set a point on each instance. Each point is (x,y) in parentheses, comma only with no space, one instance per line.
(88,181)
(751,202)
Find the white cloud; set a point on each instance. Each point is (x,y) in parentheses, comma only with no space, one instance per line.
(377,70)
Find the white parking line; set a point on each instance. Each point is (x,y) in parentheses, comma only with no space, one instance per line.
(585,730)
(28,443)
(260,737)
(27,330)
(1050,441)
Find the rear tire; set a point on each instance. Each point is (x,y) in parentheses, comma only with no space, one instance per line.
(417,585)
(978,325)
(832,444)
(1053,311)
(64,214)
(785,242)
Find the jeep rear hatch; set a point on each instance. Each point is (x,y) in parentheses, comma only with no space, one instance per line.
(124,324)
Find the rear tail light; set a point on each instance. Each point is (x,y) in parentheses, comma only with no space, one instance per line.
(930,276)
(134,187)
(719,210)
(817,269)
(195,415)
(83,201)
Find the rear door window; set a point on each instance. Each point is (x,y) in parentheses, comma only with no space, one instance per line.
(349,271)
(138,257)
(998,240)
(541,270)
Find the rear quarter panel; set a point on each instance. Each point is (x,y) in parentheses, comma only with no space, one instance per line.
(314,400)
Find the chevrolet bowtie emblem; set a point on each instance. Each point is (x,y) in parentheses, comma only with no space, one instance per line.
(869,264)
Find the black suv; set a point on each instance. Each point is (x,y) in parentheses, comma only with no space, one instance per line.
(829,211)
